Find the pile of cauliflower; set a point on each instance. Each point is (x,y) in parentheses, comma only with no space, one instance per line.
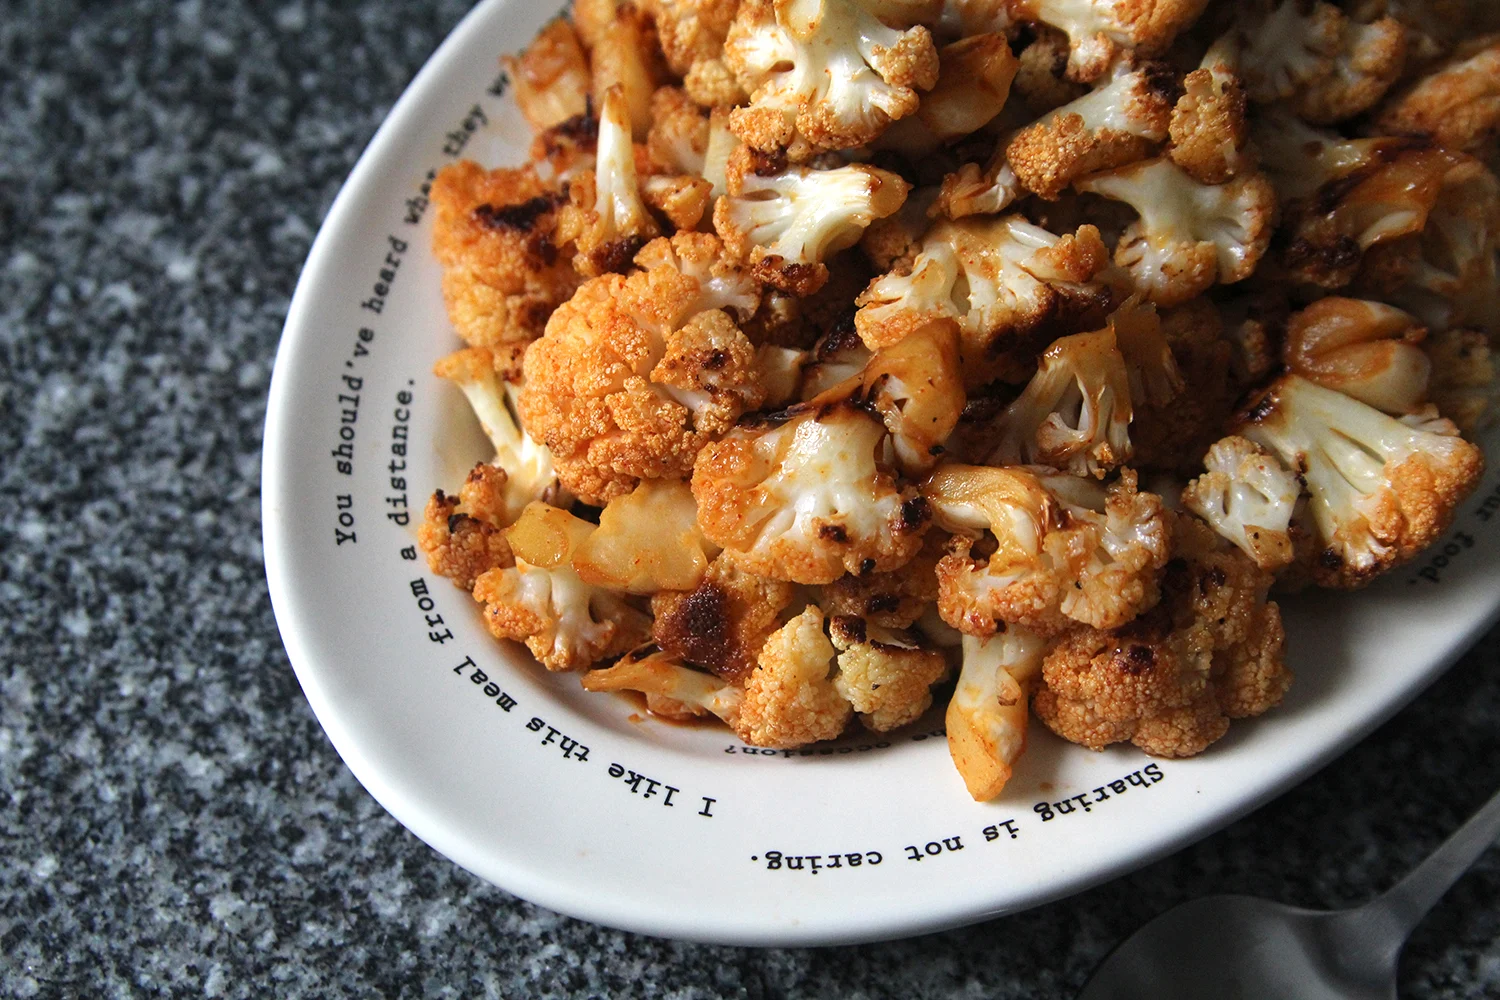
(844,355)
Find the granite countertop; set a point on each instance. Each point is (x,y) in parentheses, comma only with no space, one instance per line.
(172,818)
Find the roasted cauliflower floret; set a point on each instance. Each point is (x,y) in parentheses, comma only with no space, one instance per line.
(1100,30)
(1328,66)
(1380,200)
(488,380)
(973,189)
(458,534)
(1215,369)
(672,690)
(493,234)
(895,599)
(1299,159)
(805,497)
(1449,274)
(678,139)
(1381,489)
(987,715)
(1456,105)
(1120,121)
(823,74)
(1041,80)
(1075,412)
(1044,551)
(566,623)
(691,31)
(973,84)
(1209,128)
(722,623)
(916,387)
(1171,680)
(1002,280)
(1363,349)
(551,77)
(635,374)
(605,217)
(787,224)
(1247,496)
(884,674)
(1464,384)
(647,541)
(790,697)
(1189,235)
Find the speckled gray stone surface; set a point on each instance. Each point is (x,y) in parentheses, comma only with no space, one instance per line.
(172,819)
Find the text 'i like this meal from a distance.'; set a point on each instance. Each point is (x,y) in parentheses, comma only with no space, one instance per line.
(838,354)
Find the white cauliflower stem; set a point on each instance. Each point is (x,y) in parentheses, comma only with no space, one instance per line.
(528,465)
(987,715)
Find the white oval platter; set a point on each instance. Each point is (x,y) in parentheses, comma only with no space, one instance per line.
(571,800)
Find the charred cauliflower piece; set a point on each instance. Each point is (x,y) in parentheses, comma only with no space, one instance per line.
(605,217)
(566,623)
(1449,273)
(1456,105)
(1247,496)
(679,133)
(635,374)
(987,715)
(494,235)
(895,599)
(623,58)
(722,623)
(1326,65)
(788,223)
(1330,236)
(1044,551)
(1381,489)
(805,497)
(460,535)
(1100,30)
(790,697)
(1171,681)
(1123,119)
(1002,280)
(1189,235)
(1367,350)
(973,189)
(884,674)
(1076,411)
(823,74)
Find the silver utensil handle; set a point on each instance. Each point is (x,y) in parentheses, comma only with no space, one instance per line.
(1408,901)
